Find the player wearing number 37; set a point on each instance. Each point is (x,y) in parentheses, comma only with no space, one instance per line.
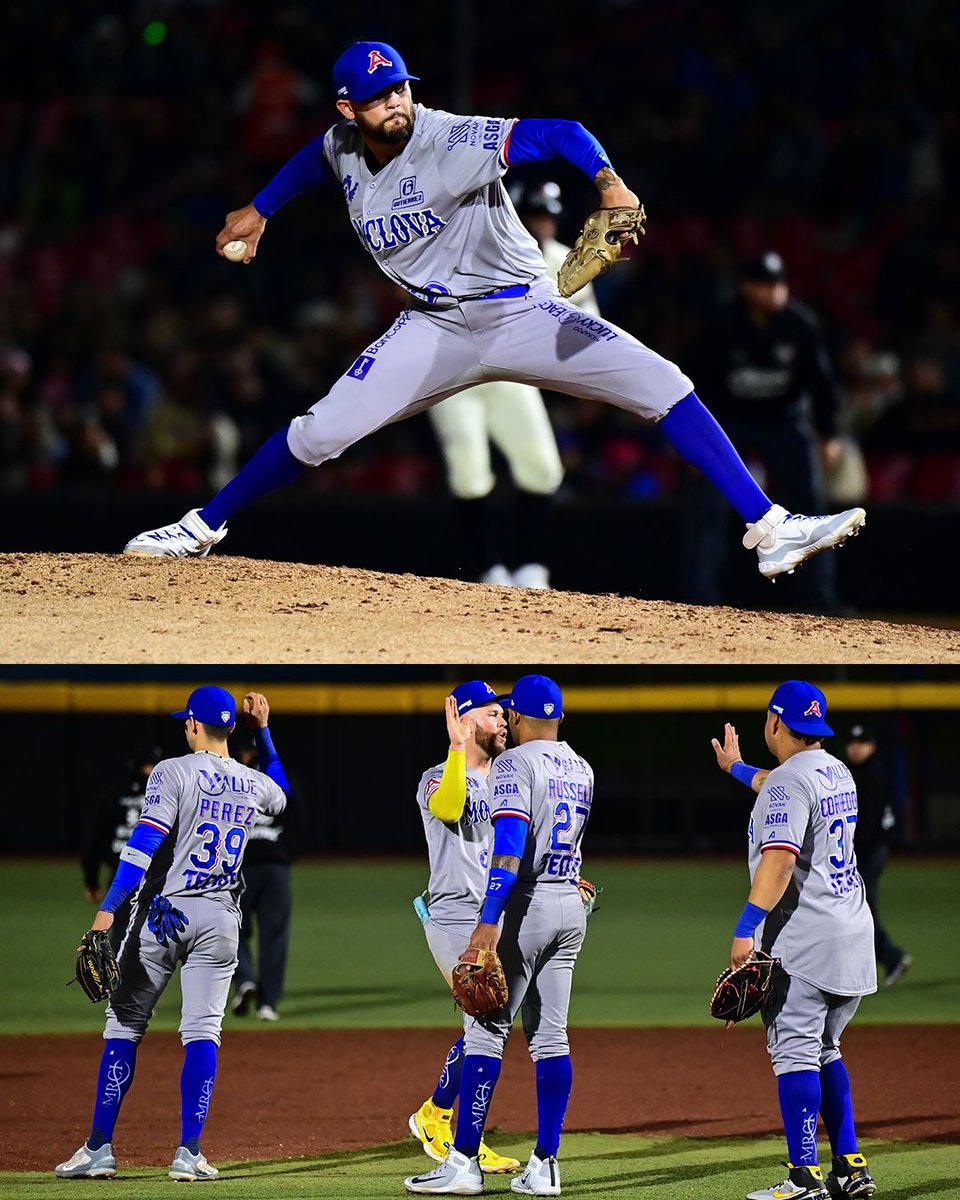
(182,863)
(808,909)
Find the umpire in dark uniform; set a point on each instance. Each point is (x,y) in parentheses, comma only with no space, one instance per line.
(266,904)
(876,822)
(763,367)
(111,821)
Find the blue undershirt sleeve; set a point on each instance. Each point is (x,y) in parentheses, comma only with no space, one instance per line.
(305,170)
(509,839)
(134,859)
(269,760)
(533,140)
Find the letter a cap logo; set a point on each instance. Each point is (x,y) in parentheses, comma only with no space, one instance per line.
(802,707)
(366,68)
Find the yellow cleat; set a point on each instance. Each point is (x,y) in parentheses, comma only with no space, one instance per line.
(492,1163)
(431,1127)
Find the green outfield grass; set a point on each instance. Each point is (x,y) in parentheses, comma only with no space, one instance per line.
(592,1164)
(653,949)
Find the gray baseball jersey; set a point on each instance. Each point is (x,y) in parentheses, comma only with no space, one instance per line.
(208,805)
(430,188)
(822,929)
(551,787)
(458,852)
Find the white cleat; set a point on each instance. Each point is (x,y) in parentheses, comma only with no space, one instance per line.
(190,537)
(784,540)
(89,1164)
(531,575)
(188,1167)
(266,1013)
(540,1177)
(497,576)
(457,1175)
(803,1183)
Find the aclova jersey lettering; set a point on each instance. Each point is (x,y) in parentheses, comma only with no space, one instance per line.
(208,806)
(822,929)
(551,787)
(458,851)
(437,218)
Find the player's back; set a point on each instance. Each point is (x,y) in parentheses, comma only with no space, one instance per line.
(551,787)
(458,850)
(207,804)
(822,928)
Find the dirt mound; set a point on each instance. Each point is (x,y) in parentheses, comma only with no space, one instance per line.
(97,608)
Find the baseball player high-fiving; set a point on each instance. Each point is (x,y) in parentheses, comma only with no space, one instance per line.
(541,793)
(456,820)
(807,908)
(183,863)
(425,196)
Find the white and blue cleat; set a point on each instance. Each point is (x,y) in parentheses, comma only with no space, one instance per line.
(188,1167)
(190,537)
(784,540)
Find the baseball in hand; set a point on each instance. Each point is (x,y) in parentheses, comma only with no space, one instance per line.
(235,251)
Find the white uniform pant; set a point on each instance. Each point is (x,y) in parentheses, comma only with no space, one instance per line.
(207,956)
(511,415)
(539,943)
(804,1024)
(447,941)
(430,353)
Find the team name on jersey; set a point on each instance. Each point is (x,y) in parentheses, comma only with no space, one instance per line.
(226,810)
(400,229)
(204,881)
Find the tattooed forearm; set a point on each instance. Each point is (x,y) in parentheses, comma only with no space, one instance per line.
(506,862)
(607,177)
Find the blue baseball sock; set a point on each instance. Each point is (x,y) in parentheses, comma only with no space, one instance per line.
(478,1079)
(117,1064)
(836,1107)
(554,1081)
(272,466)
(449,1083)
(799,1106)
(695,435)
(196,1087)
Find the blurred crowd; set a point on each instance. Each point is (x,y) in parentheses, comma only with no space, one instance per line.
(132,356)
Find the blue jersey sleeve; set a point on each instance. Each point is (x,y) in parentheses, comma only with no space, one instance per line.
(134,859)
(269,760)
(533,140)
(305,170)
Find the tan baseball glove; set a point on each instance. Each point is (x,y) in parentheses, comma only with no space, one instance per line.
(599,246)
(479,985)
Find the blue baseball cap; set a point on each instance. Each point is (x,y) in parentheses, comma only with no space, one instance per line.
(472,695)
(367,68)
(535,696)
(210,706)
(802,707)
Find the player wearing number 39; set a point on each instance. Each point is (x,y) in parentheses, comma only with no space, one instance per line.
(182,861)
(424,193)
(807,907)
(541,793)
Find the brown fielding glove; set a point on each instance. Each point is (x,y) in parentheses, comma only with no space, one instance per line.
(588,894)
(599,246)
(97,970)
(740,993)
(479,985)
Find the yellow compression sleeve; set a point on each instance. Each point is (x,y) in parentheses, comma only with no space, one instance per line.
(448,801)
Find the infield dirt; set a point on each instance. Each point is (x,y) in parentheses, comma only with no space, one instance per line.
(283,1093)
(88,608)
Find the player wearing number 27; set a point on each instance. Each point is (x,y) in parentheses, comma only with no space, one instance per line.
(807,907)
(182,861)
(541,793)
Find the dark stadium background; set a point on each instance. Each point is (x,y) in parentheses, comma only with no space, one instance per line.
(138,370)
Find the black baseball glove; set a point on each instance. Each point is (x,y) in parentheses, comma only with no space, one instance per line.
(97,970)
(740,993)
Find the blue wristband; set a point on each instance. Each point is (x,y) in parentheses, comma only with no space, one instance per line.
(749,919)
(745,774)
(499,885)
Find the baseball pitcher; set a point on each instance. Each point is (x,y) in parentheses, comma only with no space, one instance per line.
(424,195)
(541,793)
(453,803)
(183,863)
(808,909)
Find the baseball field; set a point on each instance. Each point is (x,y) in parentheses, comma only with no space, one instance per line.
(664,1104)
